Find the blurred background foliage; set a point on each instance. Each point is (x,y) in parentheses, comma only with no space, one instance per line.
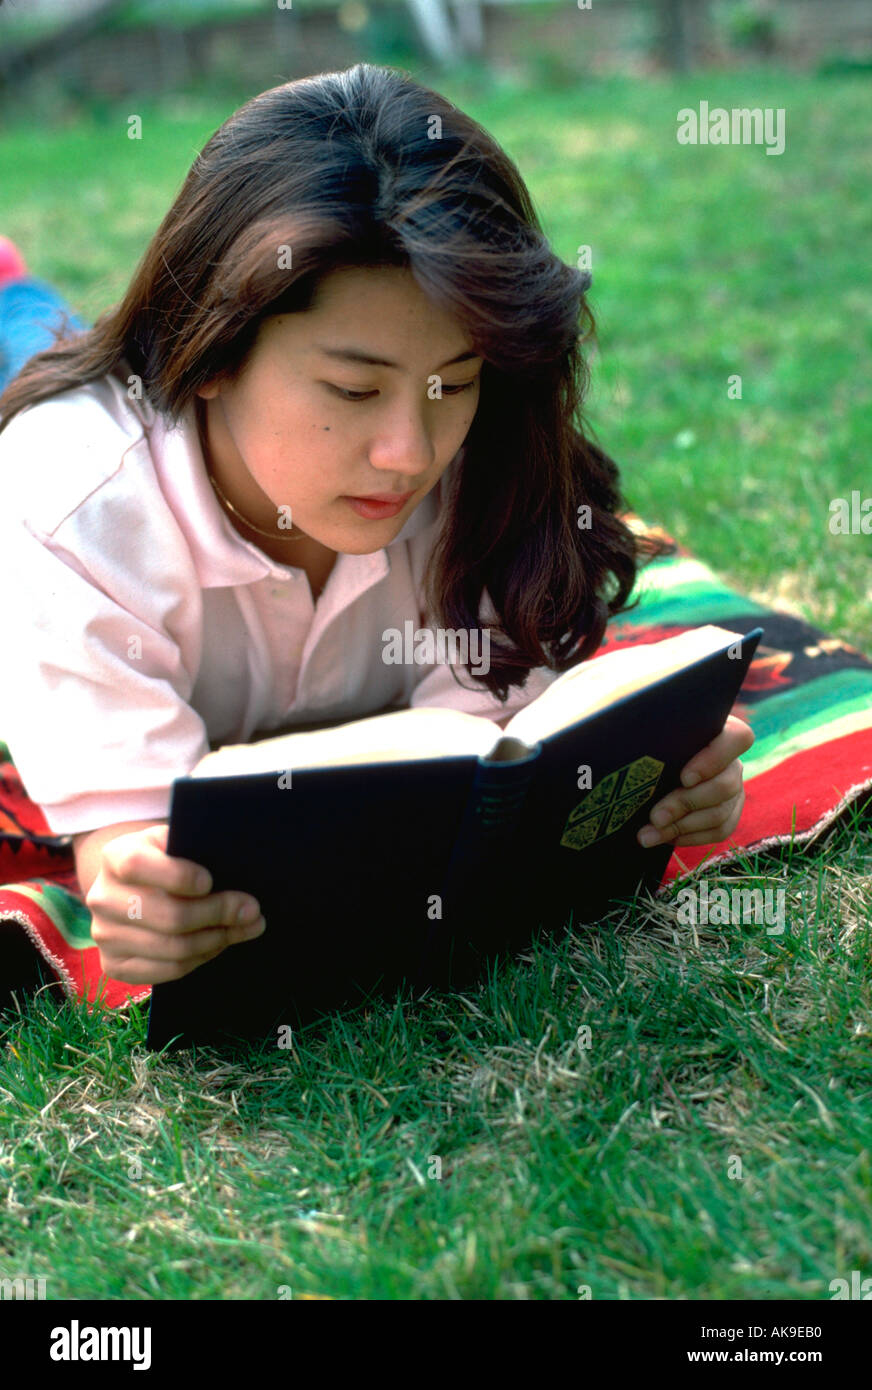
(62,57)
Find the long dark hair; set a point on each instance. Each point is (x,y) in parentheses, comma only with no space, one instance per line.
(368,167)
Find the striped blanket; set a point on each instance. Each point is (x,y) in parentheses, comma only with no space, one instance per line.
(807,697)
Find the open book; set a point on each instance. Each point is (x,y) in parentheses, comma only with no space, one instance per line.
(411,846)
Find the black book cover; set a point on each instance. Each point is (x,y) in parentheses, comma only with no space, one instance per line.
(572,849)
(373,875)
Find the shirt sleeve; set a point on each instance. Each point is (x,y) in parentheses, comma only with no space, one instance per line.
(101,662)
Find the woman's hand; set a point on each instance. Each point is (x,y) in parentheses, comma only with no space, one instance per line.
(153,915)
(708,806)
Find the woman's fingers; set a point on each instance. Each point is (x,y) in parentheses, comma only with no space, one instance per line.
(735,738)
(141,858)
(694,809)
(705,827)
(684,801)
(137,956)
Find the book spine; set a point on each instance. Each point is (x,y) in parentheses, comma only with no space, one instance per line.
(490,818)
(496,797)
(497,794)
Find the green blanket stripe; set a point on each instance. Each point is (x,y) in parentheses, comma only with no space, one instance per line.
(667,573)
(690,604)
(71,917)
(820,703)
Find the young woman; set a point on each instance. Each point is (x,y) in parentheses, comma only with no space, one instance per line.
(343,390)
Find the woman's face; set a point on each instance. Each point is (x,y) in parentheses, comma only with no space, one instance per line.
(289,433)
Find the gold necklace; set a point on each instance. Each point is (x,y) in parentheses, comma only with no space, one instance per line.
(270,535)
(316,592)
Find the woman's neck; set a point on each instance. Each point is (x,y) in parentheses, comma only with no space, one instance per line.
(298,551)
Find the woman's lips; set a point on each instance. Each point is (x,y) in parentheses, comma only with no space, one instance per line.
(376,509)
(392,497)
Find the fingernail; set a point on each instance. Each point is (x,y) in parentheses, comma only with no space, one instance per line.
(660,816)
(248,913)
(648,836)
(690,779)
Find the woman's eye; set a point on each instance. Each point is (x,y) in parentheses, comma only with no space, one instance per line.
(350,395)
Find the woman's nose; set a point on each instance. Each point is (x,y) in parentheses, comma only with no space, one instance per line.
(406,443)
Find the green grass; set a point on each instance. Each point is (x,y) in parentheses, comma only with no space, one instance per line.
(21,26)
(713,1140)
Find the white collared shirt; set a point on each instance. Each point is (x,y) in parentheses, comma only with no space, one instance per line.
(141,629)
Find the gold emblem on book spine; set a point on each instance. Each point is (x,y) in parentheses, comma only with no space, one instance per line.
(611,802)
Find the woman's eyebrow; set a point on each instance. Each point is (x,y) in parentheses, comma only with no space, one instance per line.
(353,354)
